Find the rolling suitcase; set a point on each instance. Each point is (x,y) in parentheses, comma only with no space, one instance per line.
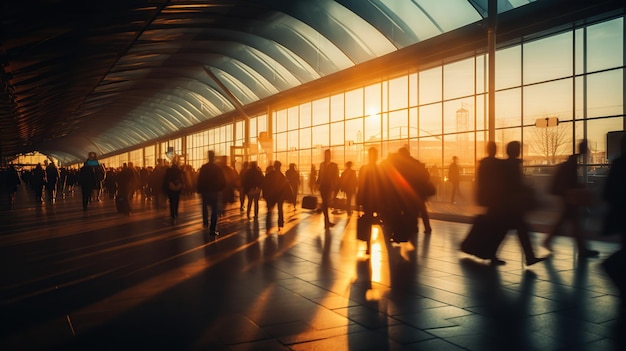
(484,237)
(309,202)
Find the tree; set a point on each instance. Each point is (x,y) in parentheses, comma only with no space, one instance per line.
(550,142)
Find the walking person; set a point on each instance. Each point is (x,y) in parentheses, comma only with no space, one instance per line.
(211,183)
(519,200)
(173,184)
(276,190)
(369,196)
(293,176)
(328,184)
(455,178)
(313,180)
(242,193)
(52,179)
(252,182)
(571,193)
(348,184)
(87,179)
(38,181)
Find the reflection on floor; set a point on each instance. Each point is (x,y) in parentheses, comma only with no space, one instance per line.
(100,280)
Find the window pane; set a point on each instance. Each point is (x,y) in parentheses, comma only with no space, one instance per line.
(579,48)
(336,134)
(458,79)
(281,142)
(336,108)
(413,89)
(398,125)
(605,45)
(546,145)
(430,120)
(372,99)
(413,130)
(292,140)
(430,85)
(508,67)
(481,112)
(548,58)
(605,94)
(321,135)
(553,99)
(372,128)
(398,93)
(481,74)
(320,111)
(508,108)
(305,115)
(596,136)
(354,103)
(305,138)
(292,118)
(506,135)
(430,150)
(458,116)
(280,121)
(354,131)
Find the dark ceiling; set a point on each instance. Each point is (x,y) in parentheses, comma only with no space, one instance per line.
(79,76)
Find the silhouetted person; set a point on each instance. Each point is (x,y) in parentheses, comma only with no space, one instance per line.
(38,181)
(10,182)
(568,191)
(242,193)
(173,184)
(293,176)
(348,184)
(252,182)
(614,194)
(313,179)
(87,178)
(328,183)
(455,178)
(369,196)
(276,190)
(52,179)
(517,201)
(211,183)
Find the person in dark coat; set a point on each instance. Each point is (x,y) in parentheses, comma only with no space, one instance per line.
(172,186)
(87,180)
(328,185)
(369,196)
(293,176)
(242,193)
(455,178)
(517,199)
(38,181)
(276,190)
(348,184)
(9,183)
(52,179)
(252,182)
(211,183)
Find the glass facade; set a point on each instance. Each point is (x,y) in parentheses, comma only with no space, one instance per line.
(575,75)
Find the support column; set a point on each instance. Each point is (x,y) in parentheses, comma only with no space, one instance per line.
(491,47)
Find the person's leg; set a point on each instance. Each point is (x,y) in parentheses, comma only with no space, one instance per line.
(556,228)
(423,212)
(249,205)
(324,206)
(176,201)
(205,210)
(349,203)
(214,203)
(268,215)
(281,217)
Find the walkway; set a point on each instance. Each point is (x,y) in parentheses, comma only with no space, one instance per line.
(100,280)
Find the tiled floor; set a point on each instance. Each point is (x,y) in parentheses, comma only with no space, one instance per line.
(101,280)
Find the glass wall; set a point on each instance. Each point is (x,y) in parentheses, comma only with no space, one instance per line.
(575,76)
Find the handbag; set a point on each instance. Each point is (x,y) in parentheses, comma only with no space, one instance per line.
(364,228)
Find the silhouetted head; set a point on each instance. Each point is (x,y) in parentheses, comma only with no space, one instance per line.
(349,164)
(327,155)
(403,151)
(253,165)
(583,147)
(491,148)
(513,149)
(277,165)
(211,156)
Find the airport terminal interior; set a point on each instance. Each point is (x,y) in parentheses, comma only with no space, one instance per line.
(146,84)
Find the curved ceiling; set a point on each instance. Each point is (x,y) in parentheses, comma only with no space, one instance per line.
(79,76)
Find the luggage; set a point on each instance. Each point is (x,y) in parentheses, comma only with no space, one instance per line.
(309,202)
(364,227)
(339,203)
(122,204)
(484,237)
(404,228)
